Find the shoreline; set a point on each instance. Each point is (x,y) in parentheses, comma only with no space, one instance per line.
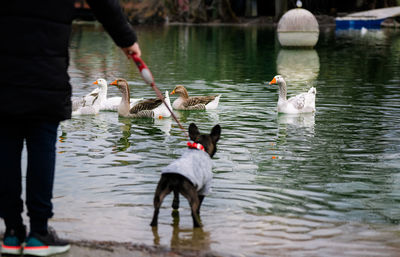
(265,21)
(85,248)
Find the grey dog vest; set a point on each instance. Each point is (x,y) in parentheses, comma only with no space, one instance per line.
(195,165)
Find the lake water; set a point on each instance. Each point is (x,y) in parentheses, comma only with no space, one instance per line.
(323,184)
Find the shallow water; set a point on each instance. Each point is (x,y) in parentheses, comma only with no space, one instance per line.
(321,184)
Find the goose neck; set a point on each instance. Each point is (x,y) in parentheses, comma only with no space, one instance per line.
(184,94)
(124,106)
(103,93)
(125,95)
(282,90)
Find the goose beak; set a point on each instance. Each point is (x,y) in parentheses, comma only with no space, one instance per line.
(173,92)
(272,81)
(95,82)
(115,83)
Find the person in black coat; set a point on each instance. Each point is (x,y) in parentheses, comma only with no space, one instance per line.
(35,95)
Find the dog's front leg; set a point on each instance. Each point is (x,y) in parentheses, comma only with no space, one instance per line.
(190,192)
(157,204)
(195,208)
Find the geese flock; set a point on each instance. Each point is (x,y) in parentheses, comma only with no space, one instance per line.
(97,101)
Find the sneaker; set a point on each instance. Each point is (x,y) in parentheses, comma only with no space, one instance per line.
(13,240)
(45,245)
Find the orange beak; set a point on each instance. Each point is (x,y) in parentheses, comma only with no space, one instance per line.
(95,82)
(115,83)
(173,92)
(272,81)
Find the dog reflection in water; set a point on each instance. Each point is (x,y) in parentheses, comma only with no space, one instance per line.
(190,175)
(195,239)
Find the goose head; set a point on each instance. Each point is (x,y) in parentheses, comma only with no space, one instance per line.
(101,83)
(123,86)
(181,90)
(278,79)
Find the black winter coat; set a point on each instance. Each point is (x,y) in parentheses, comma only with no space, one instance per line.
(34,84)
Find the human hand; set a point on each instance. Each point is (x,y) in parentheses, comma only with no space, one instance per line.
(133,49)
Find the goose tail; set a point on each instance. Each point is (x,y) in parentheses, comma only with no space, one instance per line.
(162,111)
(312,91)
(213,104)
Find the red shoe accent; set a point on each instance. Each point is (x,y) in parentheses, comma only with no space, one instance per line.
(10,247)
(36,247)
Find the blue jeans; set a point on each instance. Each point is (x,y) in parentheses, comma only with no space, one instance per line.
(40,138)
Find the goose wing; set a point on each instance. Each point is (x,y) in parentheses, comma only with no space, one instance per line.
(298,101)
(87,100)
(147,104)
(90,98)
(77,102)
(196,100)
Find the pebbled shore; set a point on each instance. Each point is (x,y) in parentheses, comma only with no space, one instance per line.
(117,249)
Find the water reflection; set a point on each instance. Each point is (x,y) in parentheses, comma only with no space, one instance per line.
(99,124)
(303,120)
(372,35)
(148,126)
(164,125)
(298,66)
(124,143)
(185,116)
(185,238)
(94,61)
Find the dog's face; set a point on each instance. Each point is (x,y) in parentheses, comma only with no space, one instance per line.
(209,141)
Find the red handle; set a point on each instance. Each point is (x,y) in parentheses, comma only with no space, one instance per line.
(144,71)
(139,62)
(148,77)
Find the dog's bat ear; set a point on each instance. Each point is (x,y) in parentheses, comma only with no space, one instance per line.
(215,133)
(193,131)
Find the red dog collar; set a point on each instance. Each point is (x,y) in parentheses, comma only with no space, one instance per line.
(195,146)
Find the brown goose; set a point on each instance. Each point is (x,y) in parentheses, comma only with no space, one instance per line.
(150,108)
(184,102)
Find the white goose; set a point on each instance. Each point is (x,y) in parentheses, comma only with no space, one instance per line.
(91,103)
(302,103)
(97,100)
(147,108)
(112,103)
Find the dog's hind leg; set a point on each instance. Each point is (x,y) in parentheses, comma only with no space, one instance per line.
(190,193)
(175,202)
(157,204)
(161,191)
(201,198)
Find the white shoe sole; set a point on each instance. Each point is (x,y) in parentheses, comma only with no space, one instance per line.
(14,250)
(45,250)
